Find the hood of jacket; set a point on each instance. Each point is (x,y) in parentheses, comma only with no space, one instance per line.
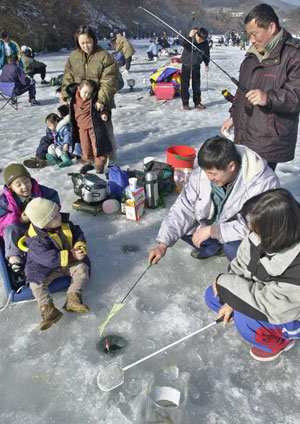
(64,121)
(251,164)
(277,263)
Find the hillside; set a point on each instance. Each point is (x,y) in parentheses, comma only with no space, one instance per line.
(47,25)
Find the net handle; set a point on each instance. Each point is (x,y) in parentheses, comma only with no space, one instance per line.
(172,344)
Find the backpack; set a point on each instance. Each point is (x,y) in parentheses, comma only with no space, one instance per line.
(164,175)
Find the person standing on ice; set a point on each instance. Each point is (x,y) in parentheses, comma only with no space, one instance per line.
(261,294)
(265,119)
(89,61)
(122,44)
(206,214)
(191,61)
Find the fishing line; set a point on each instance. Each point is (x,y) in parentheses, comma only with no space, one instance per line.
(234,80)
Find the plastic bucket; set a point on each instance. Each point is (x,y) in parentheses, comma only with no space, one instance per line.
(181,156)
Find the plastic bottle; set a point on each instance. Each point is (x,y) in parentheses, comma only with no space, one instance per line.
(123,201)
(151,189)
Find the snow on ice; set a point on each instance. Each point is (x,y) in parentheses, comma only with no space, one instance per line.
(51,376)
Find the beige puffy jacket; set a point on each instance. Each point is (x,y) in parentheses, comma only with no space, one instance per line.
(123,44)
(100,67)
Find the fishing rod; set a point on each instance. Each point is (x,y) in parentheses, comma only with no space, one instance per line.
(234,80)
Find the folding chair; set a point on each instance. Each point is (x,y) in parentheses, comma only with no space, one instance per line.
(7,92)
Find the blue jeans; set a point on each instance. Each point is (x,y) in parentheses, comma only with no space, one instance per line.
(264,335)
(211,246)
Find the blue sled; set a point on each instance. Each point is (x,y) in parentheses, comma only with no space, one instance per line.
(59,284)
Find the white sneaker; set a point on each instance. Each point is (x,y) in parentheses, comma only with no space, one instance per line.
(125,72)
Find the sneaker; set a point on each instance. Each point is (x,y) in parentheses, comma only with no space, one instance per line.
(263,356)
(125,72)
(45,82)
(34,102)
(85,168)
(197,255)
(186,107)
(200,106)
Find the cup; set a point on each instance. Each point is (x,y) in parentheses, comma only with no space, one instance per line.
(166,397)
(132,183)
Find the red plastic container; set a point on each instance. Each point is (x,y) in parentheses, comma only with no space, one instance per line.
(181,156)
(176,60)
(164,90)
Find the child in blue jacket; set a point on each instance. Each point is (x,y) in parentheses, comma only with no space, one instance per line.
(58,151)
(57,248)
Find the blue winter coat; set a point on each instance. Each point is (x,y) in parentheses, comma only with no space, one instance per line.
(13,73)
(14,50)
(45,253)
(63,133)
(153,48)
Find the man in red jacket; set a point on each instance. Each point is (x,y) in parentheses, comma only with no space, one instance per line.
(265,118)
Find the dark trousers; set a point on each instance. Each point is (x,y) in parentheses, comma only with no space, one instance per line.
(128,62)
(41,70)
(211,246)
(21,89)
(42,150)
(185,83)
(150,55)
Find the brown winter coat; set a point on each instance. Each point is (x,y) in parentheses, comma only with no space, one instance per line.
(123,44)
(99,67)
(271,131)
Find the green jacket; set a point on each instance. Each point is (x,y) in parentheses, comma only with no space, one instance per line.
(99,67)
(30,64)
(123,44)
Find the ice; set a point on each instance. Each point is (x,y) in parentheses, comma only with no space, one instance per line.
(52,376)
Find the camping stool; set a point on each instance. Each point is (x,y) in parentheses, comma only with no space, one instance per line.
(7,92)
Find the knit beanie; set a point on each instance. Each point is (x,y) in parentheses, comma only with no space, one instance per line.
(41,211)
(13,171)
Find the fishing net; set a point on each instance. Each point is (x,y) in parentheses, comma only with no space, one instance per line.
(110,377)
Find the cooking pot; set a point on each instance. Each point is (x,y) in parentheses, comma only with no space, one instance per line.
(89,187)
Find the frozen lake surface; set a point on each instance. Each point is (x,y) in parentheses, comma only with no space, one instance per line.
(50,376)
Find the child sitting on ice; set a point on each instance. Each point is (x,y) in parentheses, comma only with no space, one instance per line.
(58,151)
(88,125)
(39,161)
(56,248)
(18,190)
(63,111)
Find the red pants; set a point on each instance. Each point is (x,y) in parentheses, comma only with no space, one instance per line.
(88,147)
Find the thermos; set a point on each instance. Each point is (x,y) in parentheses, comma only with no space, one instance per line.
(151,189)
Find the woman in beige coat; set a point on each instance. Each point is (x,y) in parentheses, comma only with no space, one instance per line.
(91,62)
(128,51)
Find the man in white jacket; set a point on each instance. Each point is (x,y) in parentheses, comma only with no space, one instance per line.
(207,213)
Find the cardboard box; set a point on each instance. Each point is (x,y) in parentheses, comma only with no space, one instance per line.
(134,212)
(136,196)
(164,90)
